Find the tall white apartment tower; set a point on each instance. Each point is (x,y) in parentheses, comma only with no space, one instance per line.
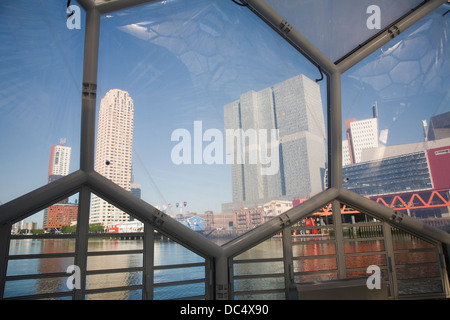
(113,158)
(361,134)
(59,160)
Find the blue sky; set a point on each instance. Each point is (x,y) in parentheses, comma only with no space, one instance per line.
(182,62)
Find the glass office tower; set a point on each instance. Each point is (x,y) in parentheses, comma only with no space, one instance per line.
(292,110)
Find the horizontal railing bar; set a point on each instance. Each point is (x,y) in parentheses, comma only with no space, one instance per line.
(382,267)
(37,276)
(420,279)
(41,296)
(423,264)
(115,235)
(312,227)
(348,240)
(249,292)
(41,256)
(178,283)
(191,298)
(257,276)
(362,224)
(295,243)
(368,253)
(415,250)
(323,256)
(423,296)
(307,273)
(258,260)
(118,270)
(179,266)
(44,236)
(113,253)
(112,289)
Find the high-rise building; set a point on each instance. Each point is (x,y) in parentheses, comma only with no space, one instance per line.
(113,152)
(136,189)
(59,161)
(58,167)
(439,127)
(361,134)
(293,109)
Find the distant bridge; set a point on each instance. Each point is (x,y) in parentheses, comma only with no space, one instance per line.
(425,199)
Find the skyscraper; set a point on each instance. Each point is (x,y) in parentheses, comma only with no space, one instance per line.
(58,167)
(59,161)
(294,108)
(361,134)
(113,151)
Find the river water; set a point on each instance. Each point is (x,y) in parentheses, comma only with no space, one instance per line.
(169,253)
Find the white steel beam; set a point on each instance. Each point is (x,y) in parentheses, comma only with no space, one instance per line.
(334,112)
(39,199)
(145,212)
(89,91)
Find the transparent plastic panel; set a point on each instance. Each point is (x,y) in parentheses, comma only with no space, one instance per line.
(41,250)
(41,63)
(258,273)
(115,258)
(418,266)
(210,112)
(396,120)
(337,28)
(178,271)
(314,247)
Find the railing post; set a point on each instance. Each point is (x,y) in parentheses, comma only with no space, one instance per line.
(81,248)
(389,247)
(222,291)
(149,252)
(289,281)
(446,277)
(339,240)
(5,232)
